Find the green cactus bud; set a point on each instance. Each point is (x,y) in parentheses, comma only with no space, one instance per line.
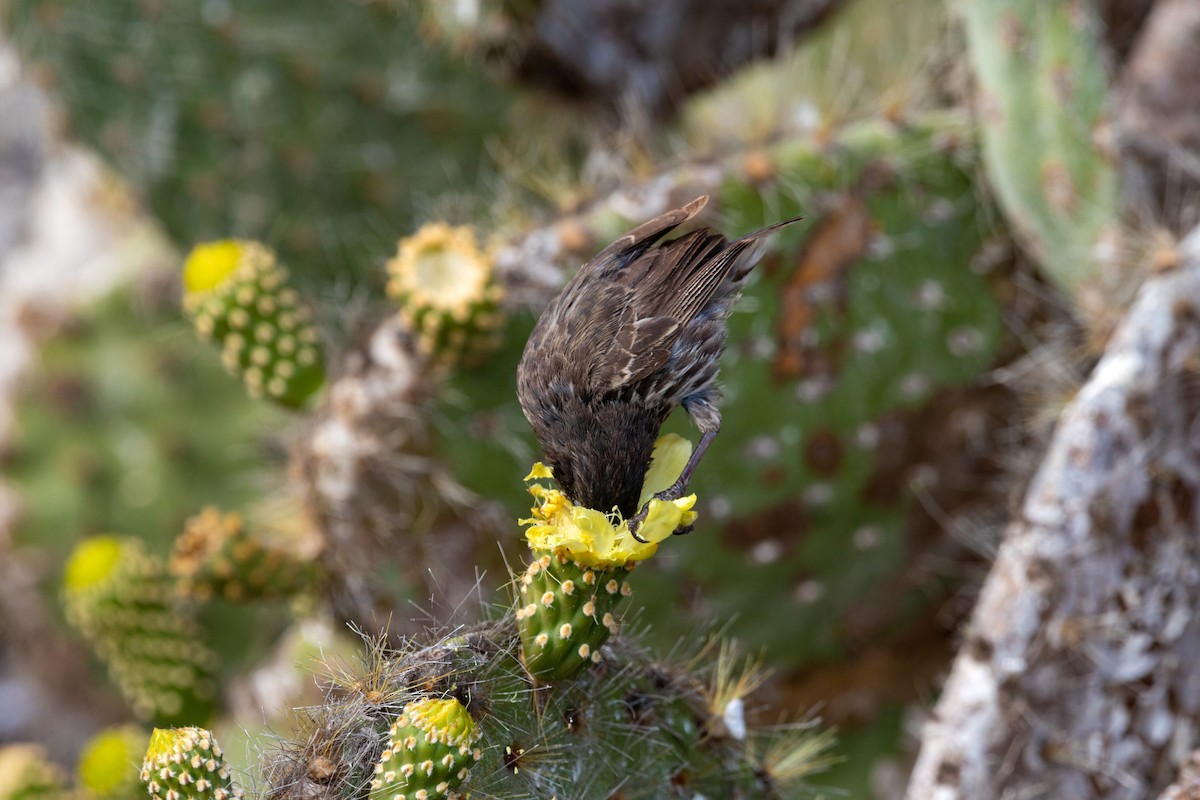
(237,295)
(26,774)
(566,614)
(216,556)
(187,764)
(120,598)
(108,766)
(430,748)
(445,284)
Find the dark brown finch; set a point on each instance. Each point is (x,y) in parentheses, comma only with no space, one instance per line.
(637,332)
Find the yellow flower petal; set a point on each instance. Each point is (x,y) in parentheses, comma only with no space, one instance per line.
(594,538)
(539,470)
(671,454)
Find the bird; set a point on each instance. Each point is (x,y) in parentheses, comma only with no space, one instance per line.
(637,332)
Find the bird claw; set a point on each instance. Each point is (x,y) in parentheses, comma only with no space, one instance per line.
(636,521)
(668,495)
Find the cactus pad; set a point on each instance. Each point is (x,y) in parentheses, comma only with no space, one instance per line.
(237,295)
(430,748)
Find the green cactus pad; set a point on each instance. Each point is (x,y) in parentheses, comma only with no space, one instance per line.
(237,295)
(446,287)
(26,774)
(430,748)
(108,766)
(317,128)
(1044,125)
(565,614)
(187,764)
(120,599)
(217,557)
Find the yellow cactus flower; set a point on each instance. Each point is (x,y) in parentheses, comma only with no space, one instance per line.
(444,268)
(596,539)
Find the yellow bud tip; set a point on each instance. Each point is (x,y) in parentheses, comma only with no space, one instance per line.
(92,562)
(210,264)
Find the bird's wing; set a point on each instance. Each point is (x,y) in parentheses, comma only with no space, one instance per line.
(657,292)
(665,289)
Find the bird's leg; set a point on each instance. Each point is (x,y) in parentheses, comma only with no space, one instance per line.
(676,489)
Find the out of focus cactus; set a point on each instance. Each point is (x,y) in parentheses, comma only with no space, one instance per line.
(257,122)
(1044,117)
(121,599)
(430,748)
(446,287)
(117,427)
(187,764)
(109,765)
(217,556)
(26,774)
(239,297)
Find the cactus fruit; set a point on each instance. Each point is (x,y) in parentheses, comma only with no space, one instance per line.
(108,765)
(238,296)
(430,748)
(569,593)
(120,598)
(187,764)
(26,774)
(446,287)
(216,556)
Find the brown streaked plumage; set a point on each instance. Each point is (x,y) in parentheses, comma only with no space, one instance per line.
(637,332)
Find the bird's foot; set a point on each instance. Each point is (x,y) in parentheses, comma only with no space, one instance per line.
(668,495)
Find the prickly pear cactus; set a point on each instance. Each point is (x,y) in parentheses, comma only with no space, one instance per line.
(446,287)
(430,748)
(217,556)
(108,765)
(238,296)
(187,763)
(254,121)
(26,774)
(1045,121)
(120,598)
(882,307)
